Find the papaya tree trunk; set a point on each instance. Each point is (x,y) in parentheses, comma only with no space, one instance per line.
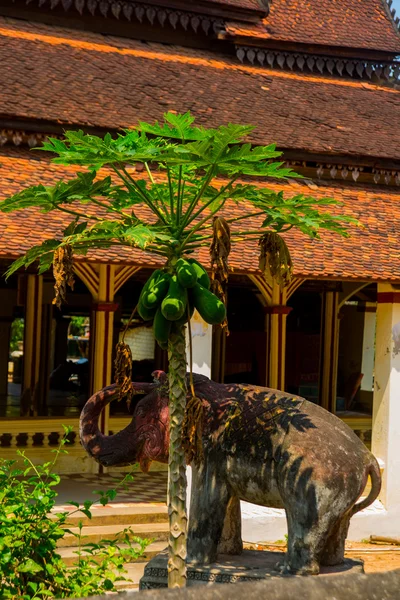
(177,465)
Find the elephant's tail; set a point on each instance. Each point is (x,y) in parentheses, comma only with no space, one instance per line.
(374,471)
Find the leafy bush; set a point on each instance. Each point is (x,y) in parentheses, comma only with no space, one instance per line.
(30,566)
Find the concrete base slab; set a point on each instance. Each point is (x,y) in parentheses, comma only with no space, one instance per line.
(263,523)
(249,566)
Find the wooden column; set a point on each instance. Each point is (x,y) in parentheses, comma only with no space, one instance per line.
(103,281)
(329,350)
(46,364)
(275,300)
(101,335)
(5,336)
(277,313)
(32,342)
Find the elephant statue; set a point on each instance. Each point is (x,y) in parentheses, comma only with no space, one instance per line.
(260,445)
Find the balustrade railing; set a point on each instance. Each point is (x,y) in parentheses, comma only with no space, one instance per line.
(40,435)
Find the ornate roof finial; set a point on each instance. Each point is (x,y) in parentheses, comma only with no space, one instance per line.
(392,11)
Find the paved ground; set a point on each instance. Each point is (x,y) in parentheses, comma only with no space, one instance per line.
(145,487)
(377,558)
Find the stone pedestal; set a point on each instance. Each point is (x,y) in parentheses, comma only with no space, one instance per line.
(251,565)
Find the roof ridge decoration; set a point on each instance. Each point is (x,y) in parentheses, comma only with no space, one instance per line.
(392,11)
(324,64)
(330,169)
(180,13)
(141,12)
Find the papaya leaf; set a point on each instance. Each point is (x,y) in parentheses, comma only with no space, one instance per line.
(42,252)
(174,127)
(139,236)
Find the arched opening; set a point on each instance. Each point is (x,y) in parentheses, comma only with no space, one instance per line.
(11,344)
(245,351)
(38,334)
(303,341)
(355,381)
(66,357)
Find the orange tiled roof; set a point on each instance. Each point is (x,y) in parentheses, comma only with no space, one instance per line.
(80,78)
(372,253)
(363,24)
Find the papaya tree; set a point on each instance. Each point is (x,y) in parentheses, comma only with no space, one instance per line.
(162,188)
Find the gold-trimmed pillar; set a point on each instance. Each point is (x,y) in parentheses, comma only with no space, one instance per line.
(101,335)
(277,313)
(5,337)
(32,343)
(329,353)
(276,310)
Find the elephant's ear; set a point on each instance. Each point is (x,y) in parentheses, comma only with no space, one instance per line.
(145,464)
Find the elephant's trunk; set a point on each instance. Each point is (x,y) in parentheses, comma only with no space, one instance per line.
(118,449)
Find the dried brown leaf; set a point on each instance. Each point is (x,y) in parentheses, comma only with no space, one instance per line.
(275,261)
(63,271)
(192,430)
(219,251)
(123,371)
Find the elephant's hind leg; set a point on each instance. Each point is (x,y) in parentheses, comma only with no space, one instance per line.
(333,552)
(231,537)
(302,552)
(309,529)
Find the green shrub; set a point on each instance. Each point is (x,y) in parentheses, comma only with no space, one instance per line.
(30,566)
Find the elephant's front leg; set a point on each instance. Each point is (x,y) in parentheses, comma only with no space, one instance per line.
(231,537)
(208,504)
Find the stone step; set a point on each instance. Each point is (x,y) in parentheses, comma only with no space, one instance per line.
(68,554)
(117,515)
(93,535)
(135,572)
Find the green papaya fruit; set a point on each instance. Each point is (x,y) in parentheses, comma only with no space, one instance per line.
(174,304)
(147,314)
(211,309)
(144,291)
(186,273)
(156,290)
(161,327)
(202,276)
(184,319)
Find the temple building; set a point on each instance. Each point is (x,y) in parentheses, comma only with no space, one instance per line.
(321,79)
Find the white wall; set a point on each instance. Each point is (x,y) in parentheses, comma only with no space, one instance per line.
(202,349)
(141,342)
(386,414)
(202,345)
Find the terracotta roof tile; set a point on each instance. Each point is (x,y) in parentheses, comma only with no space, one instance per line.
(348,23)
(79,78)
(371,253)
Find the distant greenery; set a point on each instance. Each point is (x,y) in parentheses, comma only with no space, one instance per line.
(30,567)
(77,326)
(17,334)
